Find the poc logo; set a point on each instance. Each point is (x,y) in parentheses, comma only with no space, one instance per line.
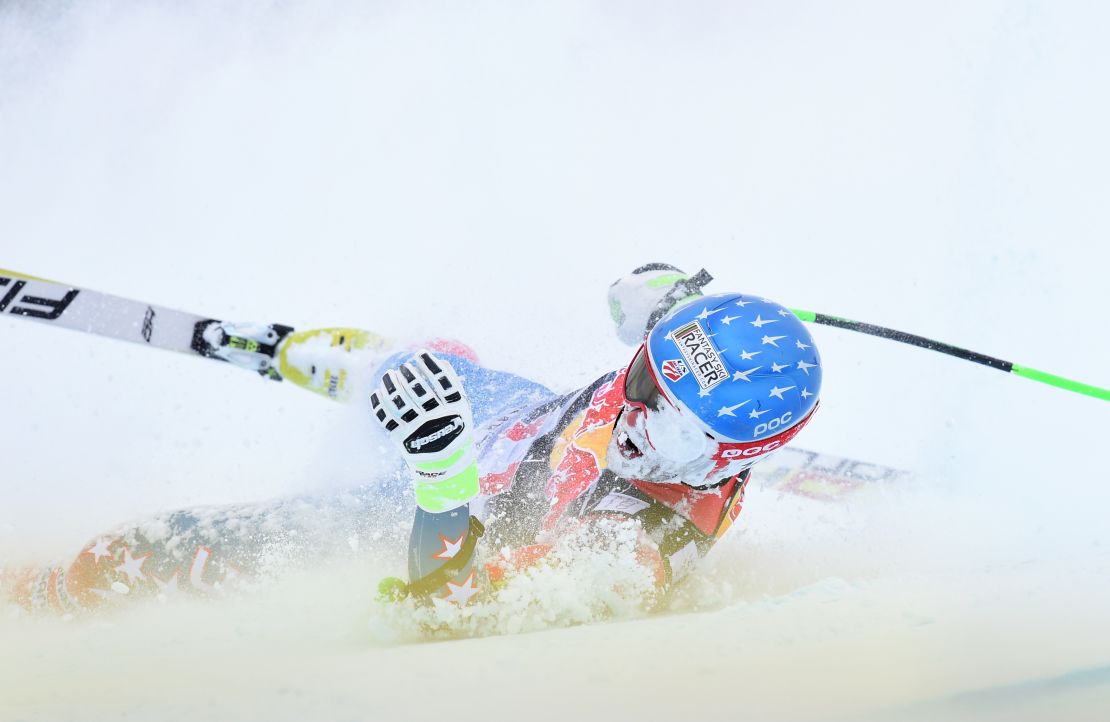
(773,424)
(750,451)
(25,304)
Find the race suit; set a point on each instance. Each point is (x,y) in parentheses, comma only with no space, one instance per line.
(542,464)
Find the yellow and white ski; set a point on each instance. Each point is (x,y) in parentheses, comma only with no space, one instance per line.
(320,360)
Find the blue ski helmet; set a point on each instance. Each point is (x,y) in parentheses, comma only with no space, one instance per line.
(745,367)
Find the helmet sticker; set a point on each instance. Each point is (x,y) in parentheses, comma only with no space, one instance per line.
(701,357)
(674,369)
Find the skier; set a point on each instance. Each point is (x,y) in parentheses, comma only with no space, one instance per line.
(664,447)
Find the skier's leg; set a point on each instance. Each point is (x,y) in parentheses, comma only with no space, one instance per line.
(200,551)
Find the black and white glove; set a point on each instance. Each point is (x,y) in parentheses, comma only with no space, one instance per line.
(423,407)
(638,300)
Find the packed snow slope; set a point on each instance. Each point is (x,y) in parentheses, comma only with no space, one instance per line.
(483,171)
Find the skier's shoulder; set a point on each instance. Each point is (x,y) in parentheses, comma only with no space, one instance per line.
(595,403)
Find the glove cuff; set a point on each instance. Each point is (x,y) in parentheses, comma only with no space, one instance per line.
(444,485)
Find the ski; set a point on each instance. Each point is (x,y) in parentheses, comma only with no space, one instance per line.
(249,346)
(821,476)
(274,351)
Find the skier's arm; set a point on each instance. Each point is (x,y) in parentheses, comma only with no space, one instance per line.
(637,301)
(423,407)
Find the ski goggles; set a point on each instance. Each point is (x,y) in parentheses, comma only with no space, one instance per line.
(639,383)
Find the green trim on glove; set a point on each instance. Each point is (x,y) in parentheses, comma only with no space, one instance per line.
(615,311)
(450,493)
(444,463)
(686,300)
(666,280)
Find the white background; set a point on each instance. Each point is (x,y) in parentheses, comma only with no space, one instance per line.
(483,171)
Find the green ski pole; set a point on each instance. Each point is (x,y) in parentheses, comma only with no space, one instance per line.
(962,353)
